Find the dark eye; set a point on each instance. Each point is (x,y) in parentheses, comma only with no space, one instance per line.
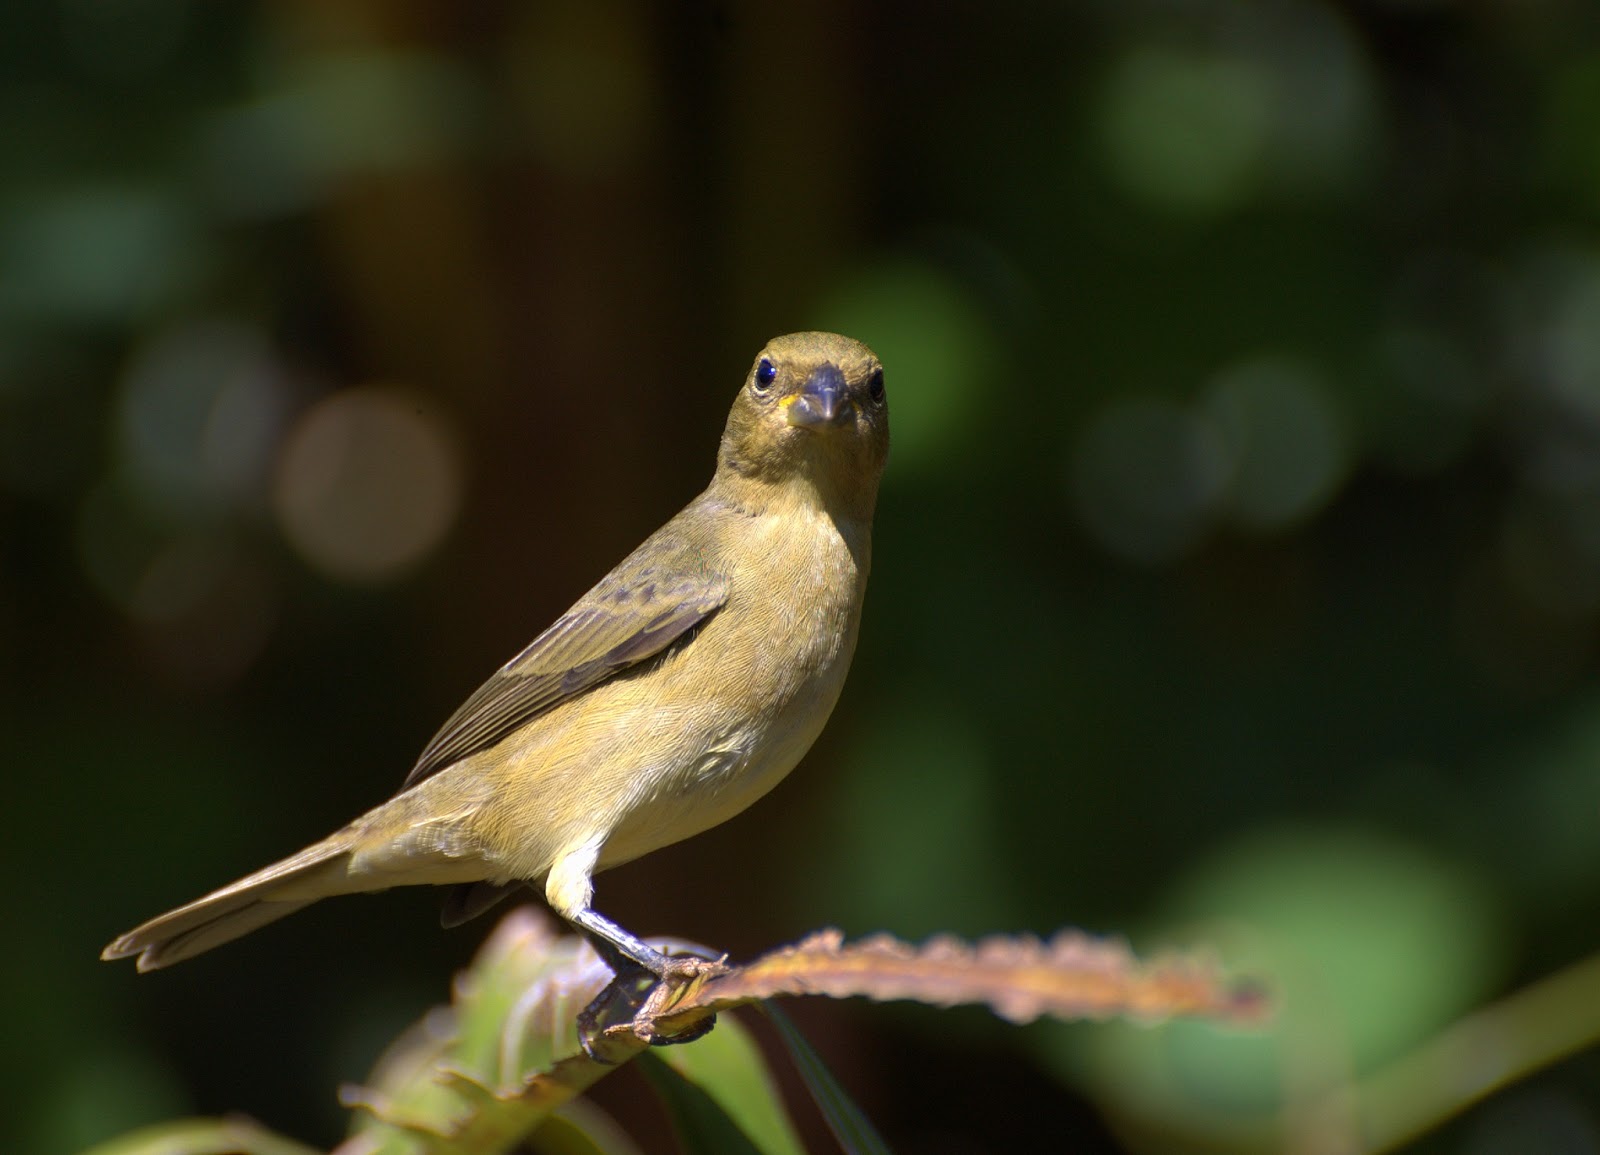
(766,374)
(875,386)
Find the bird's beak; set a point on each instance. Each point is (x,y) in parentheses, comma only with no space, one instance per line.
(823,400)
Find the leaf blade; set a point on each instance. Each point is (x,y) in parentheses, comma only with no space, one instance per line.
(848,1122)
(728,1065)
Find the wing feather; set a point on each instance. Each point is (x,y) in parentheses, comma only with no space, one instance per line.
(612,628)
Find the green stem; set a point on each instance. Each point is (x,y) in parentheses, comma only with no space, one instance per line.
(1478,1055)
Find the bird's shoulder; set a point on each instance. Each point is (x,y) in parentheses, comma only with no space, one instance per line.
(689,556)
(655,597)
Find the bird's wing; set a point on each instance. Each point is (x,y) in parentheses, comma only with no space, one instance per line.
(608,631)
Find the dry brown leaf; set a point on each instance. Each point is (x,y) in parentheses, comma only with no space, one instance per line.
(1072,976)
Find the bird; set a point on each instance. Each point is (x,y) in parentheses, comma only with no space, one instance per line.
(678,690)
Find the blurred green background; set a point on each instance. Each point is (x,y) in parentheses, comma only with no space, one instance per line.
(1238,564)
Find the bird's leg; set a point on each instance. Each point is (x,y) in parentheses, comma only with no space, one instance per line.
(634,963)
(637,968)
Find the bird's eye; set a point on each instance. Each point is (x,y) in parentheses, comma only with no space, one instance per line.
(766,374)
(875,387)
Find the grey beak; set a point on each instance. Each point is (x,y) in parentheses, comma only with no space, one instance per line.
(823,399)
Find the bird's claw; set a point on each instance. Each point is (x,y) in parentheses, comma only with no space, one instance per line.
(635,999)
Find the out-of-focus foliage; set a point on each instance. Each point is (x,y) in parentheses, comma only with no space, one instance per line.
(1237,569)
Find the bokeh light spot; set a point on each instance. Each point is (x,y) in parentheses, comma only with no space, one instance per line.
(381,111)
(199,412)
(1323,107)
(98,1093)
(1432,399)
(937,349)
(882,875)
(368,484)
(335,116)
(1146,475)
(1185,130)
(1554,322)
(1369,943)
(99,254)
(1285,441)
(1569,339)
(1428,943)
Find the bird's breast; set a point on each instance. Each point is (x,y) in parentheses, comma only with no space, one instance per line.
(763,675)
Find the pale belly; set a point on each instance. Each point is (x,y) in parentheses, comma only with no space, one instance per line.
(732,772)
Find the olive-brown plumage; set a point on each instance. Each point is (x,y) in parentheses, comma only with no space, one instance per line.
(677,691)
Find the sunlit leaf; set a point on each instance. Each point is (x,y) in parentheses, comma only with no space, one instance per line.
(700,1121)
(728,1066)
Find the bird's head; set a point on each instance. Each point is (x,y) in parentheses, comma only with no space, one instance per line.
(812,413)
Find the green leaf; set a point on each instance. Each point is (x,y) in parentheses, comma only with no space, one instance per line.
(701,1123)
(581,1128)
(848,1122)
(516,1007)
(202,1137)
(729,1078)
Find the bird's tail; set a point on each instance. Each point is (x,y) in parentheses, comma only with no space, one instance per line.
(239,908)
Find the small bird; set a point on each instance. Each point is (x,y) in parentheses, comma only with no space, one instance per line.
(677,691)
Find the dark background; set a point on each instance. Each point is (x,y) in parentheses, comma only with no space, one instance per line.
(1237,569)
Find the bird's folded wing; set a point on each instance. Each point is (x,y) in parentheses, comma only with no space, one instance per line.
(608,631)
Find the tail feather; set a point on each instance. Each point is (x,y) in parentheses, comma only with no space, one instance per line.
(240,907)
(225,927)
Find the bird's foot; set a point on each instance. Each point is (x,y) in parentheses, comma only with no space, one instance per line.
(638,996)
